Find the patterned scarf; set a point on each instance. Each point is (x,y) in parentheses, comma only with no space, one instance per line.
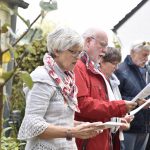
(89,64)
(67,85)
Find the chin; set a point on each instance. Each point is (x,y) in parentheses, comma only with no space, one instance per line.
(70,69)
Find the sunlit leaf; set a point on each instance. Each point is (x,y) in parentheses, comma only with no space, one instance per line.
(116,41)
(5,28)
(7,75)
(16,55)
(6,57)
(1,81)
(1,71)
(25,76)
(30,48)
(28,22)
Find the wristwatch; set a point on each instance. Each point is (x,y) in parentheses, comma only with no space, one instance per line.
(69,135)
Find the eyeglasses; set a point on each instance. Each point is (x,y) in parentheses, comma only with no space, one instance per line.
(102,44)
(146,43)
(142,44)
(74,53)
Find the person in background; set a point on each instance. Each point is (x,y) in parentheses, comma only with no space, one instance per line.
(147,67)
(108,65)
(94,92)
(132,76)
(49,123)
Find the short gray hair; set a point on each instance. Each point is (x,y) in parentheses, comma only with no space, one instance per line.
(92,32)
(63,39)
(89,33)
(140,45)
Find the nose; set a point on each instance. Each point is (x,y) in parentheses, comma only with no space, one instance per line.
(146,59)
(116,66)
(78,55)
(105,49)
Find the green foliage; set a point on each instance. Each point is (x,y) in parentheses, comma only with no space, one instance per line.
(4,28)
(116,41)
(34,58)
(26,78)
(11,142)
(29,63)
(23,66)
(6,75)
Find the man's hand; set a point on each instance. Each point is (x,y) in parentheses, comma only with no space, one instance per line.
(130,105)
(142,101)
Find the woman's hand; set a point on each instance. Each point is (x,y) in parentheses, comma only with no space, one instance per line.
(125,125)
(87,130)
(126,122)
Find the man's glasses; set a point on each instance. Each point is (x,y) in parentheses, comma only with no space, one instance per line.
(102,44)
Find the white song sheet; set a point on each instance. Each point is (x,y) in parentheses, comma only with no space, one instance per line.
(142,94)
(133,112)
(110,124)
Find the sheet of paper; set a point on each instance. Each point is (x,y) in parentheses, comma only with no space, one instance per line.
(133,112)
(111,124)
(142,94)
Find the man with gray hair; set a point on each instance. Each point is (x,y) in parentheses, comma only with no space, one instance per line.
(133,77)
(95,98)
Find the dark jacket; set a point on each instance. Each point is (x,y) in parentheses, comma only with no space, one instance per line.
(131,83)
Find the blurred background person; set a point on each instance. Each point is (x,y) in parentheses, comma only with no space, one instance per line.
(108,65)
(133,78)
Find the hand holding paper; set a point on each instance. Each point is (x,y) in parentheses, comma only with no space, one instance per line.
(111,124)
(142,94)
(133,112)
(130,105)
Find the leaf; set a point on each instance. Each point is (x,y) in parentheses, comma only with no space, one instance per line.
(16,55)
(7,75)
(1,71)
(25,76)
(6,57)
(4,28)
(1,81)
(30,48)
(5,130)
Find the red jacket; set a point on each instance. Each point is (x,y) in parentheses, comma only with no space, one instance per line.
(95,106)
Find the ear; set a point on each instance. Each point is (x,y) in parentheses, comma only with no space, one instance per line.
(88,40)
(132,53)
